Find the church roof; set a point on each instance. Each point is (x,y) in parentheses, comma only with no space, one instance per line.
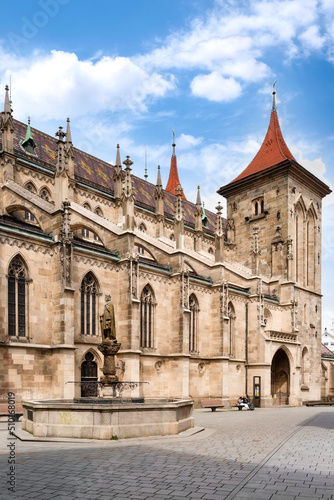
(326,353)
(272,151)
(173,180)
(99,174)
(273,154)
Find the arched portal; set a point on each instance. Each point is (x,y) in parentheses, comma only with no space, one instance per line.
(89,377)
(280,378)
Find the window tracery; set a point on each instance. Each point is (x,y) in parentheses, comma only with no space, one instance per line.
(88,305)
(17,298)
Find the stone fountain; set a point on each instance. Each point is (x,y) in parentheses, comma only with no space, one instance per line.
(110,416)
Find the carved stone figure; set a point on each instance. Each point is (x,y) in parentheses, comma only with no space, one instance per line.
(107,321)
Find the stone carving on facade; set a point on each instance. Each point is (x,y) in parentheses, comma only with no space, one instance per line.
(256,247)
(294,315)
(159,366)
(133,275)
(5,240)
(201,368)
(184,289)
(230,231)
(260,307)
(66,237)
(224,299)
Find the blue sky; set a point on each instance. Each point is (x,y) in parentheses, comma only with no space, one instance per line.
(130,72)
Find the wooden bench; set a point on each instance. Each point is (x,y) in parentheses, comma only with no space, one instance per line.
(212,403)
(15,416)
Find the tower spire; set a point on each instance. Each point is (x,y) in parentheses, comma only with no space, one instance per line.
(274,96)
(28,142)
(145,175)
(7,124)
(118,177)
(69,151)
(159,196)
(272,151)
(173,180)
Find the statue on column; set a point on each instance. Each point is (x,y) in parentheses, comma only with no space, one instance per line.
(109,346)
(107,321)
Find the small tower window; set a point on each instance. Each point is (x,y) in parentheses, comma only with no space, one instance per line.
(258,207)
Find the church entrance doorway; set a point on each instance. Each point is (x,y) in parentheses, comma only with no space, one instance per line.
(280,378)
(89,377)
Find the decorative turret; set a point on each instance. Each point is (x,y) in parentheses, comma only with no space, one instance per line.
(61,175)
(118,178)
(159,205)
(173,180)
(179,219)
(159,195)
(28,142)
(7,125)
(69,151)
(61,164)
(219,235)
(66,237)
(255,252)
(198,211)
(128,199)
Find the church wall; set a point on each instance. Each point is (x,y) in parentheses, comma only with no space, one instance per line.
(309,204)
(241,206)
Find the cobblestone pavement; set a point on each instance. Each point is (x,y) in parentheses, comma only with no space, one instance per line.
(282,453)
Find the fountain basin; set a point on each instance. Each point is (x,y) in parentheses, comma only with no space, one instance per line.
(105,418)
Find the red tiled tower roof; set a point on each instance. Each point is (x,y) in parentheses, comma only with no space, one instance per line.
(173,180)
(273,150)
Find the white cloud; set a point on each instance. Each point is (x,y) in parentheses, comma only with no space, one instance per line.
(215,87)
(59,84)
(312,39)
(186,141)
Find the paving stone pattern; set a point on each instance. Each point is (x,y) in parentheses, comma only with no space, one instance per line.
(283,453)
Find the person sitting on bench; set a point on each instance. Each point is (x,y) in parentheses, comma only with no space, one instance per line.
(243,401)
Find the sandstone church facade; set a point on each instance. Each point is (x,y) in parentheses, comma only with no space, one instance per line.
(204,306)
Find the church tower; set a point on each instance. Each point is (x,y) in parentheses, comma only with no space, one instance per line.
(275,206)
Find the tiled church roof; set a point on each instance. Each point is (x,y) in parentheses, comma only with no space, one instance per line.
(98,173)
(273,150)
(173,180)
(326,353)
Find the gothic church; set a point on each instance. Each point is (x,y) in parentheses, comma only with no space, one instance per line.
(204,307)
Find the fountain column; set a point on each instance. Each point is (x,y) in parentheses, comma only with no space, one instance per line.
(109,348)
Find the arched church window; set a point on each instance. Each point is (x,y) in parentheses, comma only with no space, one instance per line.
(17,298)
(258,206)
(45,194)
(147,317)
(305,367)
(30,187)
(88,304)
(89,386)
(87,206)
(231,333)
(99,212)
(28,216)
(299,244)
(142,228)
(193,324)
